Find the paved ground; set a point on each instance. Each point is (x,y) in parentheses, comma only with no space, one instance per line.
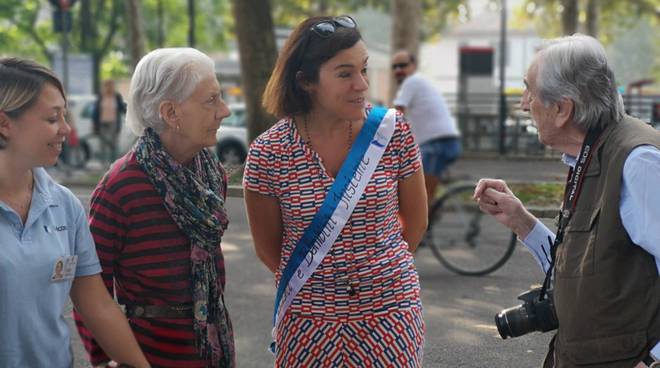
(514,169)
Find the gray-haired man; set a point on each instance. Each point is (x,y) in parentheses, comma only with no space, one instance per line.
(606,254)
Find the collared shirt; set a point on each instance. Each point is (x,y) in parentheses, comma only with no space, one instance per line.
(639,209)
(33,331)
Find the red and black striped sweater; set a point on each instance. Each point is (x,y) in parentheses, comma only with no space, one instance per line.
(142,249)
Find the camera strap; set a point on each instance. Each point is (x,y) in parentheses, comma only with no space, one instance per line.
(572,190)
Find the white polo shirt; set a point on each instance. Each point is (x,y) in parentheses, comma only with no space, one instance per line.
(426,110)
(33,332)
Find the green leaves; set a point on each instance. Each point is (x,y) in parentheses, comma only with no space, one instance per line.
(613,15)
(169,18)
(436,13)
(21,34)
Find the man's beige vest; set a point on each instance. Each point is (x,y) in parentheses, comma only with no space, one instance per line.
(607,289)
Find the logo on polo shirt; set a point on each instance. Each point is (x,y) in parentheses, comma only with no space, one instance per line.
(49,229)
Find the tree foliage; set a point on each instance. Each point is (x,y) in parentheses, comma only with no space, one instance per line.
(436,14)
(612,15)
(22,34)
(213,23)
(628,26)
(99,29)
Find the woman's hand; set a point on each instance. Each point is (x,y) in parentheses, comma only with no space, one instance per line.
(113,364)
(106,321)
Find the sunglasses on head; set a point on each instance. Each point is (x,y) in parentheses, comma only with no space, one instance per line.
(399,66)
(327,27)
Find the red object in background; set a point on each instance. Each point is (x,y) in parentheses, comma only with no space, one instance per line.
(63,4)
(72,139)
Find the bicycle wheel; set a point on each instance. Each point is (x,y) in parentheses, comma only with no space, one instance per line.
(463,238)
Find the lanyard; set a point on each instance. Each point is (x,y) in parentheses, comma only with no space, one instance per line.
(572,190)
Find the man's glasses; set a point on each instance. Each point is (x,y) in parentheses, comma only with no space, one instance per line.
(400,66)
(328,27)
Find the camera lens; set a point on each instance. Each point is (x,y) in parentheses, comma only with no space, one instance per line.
(513,322)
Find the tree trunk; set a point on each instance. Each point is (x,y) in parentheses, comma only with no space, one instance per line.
(160,38)
(406,26)
(96,72)
(135,31)
(87,27)
(592,18)
(322,7)
(258,53)
(102,45)
(191,23)
(569,17)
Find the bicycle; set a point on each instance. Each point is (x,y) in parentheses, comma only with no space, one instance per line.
(463,238)
(75,153)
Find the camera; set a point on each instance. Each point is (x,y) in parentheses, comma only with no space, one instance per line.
(534,314)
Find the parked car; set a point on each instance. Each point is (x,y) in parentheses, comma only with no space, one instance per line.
(232,139)
(231,147)
(81,109)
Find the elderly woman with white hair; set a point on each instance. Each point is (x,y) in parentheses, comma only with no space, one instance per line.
(158,216)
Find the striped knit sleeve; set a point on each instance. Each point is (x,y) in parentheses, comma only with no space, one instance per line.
(107,224)
(259,174)
(409,154)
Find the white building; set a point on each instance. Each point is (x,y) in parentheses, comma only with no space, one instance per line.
(439,61)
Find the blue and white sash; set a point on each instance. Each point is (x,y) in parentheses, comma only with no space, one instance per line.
(336,209)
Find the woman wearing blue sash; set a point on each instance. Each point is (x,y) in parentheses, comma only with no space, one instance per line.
(336,204)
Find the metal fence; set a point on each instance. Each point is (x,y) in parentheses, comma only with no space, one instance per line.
(478,120)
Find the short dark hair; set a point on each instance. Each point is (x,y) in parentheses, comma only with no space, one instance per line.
(304,51)
(411,56)
(22,82)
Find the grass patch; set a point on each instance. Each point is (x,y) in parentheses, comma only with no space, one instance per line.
(234,175)
(539,194)
(531,194)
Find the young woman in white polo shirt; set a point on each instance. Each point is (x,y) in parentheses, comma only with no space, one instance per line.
(48,254)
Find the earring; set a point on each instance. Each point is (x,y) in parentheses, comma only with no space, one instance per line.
(178,127)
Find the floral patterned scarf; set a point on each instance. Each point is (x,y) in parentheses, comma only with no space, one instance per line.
(194,197)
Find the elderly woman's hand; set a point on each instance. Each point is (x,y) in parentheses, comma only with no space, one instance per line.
(496,199)
(113,364)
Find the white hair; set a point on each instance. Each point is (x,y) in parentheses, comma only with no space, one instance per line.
(575,67)
(163,74)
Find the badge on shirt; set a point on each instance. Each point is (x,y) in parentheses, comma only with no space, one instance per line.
(64,268)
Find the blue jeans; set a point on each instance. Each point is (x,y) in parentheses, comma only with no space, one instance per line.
(439,153)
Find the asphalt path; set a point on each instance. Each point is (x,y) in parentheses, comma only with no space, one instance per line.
(458,310)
